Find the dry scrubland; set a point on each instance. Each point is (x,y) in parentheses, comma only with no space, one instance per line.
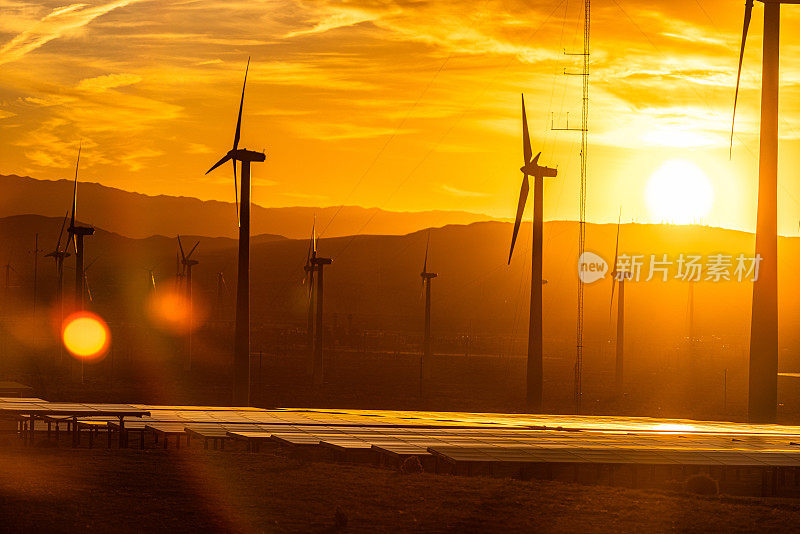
(62,490)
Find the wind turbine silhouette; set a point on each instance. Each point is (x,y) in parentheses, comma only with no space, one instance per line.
(533,399)
(188,263)
(315,264)
(425,364)
(620,276)
(58,255)
(222,291)
(241,350)
(76,234)
(763,376)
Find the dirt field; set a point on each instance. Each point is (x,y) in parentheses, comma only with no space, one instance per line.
(62,490)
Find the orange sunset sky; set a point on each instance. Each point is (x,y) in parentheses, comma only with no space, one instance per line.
(405,105)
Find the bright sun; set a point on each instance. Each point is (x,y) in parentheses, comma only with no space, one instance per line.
(679,193)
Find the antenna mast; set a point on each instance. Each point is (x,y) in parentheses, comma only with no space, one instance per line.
(584,129)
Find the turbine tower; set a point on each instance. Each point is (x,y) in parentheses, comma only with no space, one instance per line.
(620,276)
(58,255)
(763,377)
(76,234)
(426,340)
(241,348)
(533,400)
(188,263)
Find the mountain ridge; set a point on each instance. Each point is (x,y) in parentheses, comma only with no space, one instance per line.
(139,215)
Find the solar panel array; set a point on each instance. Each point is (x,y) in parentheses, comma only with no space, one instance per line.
(465,437)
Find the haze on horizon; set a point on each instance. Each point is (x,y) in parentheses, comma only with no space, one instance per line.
(405,105)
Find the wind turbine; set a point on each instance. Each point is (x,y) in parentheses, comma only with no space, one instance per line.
(222,291)
(241,349)
(36,251)
(8,268)
(188,263)
(533,401)
(763,376)
(76,234)
(620,276)
(58,255)
(426,340)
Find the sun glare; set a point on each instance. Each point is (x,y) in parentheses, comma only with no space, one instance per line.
(679,193)
(86,336)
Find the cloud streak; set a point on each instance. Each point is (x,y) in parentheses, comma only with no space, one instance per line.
(59,22)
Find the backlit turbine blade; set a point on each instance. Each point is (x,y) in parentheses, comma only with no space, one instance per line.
(88,289)
(61,233)
(427,246)
(75,187)
(238,133)
(180,245)
(236,193)
(526,138)
(314,237)
(748,12)
(225,158)
(523,197)
(192,251)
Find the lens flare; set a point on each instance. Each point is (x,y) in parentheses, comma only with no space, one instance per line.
(172,312)
(86,336)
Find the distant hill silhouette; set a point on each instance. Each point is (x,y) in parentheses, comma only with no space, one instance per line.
(376,278)
(138,216)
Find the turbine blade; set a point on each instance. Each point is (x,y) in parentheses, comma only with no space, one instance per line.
(75,186)
(314,236)
(236,193)
(523,197)
(61,233)
(225,158)
(748,13)
(526,138)
(88,289)
(180,245)
(90,265)
(192,251)
(238,133)
(427,245)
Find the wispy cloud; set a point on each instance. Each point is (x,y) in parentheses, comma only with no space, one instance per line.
(462,192)
(59,22)
(100,84)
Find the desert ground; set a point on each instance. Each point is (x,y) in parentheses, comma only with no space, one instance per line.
(58,489)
